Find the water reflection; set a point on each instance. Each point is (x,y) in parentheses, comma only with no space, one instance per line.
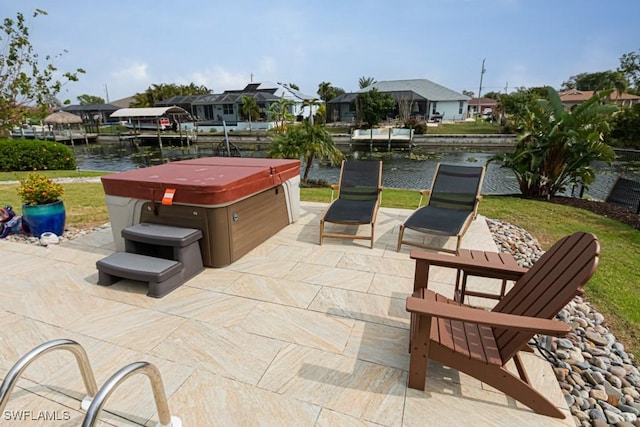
(399,171)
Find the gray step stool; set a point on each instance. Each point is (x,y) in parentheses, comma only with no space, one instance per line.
(163,256)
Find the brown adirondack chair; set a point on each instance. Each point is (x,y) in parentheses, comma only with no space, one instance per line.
(480,343)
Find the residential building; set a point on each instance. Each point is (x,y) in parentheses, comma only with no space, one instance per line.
(486,106)
(573,97)
(417,98)
(213,108)
(93,114)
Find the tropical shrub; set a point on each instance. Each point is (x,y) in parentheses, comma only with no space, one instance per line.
(373,105)
(625,130)
(556,148)
(32,155)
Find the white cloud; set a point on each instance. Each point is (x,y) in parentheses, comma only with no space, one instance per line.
(220,79)
(127,81)
(268,67)
(136,72)
(217,78)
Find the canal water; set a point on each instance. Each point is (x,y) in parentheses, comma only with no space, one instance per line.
(400,169)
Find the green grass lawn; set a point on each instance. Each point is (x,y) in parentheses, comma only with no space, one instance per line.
(475,128)
(614,290)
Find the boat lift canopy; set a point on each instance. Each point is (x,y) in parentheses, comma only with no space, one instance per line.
(158,116)
(149,113)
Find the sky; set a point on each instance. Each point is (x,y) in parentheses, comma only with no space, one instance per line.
(125,47)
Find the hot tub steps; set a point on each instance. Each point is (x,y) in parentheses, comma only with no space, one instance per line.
(163,256)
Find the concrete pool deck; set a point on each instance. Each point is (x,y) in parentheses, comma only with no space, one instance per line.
(292,334)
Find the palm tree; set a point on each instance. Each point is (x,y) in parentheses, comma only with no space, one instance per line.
(365,82)
(324,91)
(306,142)
(250,109)
(279,112)
(310,103)
(619,82)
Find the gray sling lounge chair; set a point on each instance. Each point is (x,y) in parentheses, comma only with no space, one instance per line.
(358,199)
(451,206)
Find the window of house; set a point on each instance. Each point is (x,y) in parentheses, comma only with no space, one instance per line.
(227,108)
(434,107)
(460,104)
(352,107)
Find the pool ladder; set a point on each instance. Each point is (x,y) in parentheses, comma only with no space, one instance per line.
(95,399)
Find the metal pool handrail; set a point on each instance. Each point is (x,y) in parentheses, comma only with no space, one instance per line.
(146,368)
(65,344)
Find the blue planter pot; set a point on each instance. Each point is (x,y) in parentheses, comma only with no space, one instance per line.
(42,218)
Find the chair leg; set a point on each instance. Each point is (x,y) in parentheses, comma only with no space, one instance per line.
(419,348)
(513,386)
(372,234)
(400,235)
(321,230)
(504,380)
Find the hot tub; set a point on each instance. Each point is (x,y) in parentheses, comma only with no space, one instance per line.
(237,203)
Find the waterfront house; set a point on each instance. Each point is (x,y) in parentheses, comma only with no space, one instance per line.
(572,98)
(486,106)
(417,98)
(93,114)
(213,109)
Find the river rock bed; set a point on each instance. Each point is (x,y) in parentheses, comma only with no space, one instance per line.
(599,379)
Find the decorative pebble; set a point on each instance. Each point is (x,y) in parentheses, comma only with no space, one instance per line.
(599,379)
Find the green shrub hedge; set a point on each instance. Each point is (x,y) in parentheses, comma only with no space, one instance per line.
(34,154)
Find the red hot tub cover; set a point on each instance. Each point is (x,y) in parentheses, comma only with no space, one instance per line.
(205,181)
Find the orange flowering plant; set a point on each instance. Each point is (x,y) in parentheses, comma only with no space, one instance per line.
(37,189)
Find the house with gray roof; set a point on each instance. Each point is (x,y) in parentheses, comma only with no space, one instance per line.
(416,98)
(92,114)
(213,109)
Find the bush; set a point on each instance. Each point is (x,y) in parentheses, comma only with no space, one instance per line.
(419,128)
(31,155)
(625,130)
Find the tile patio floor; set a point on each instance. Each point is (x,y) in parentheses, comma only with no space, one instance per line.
(292,334)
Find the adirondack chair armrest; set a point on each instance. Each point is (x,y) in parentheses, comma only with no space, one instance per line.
(474,315)
(496,271)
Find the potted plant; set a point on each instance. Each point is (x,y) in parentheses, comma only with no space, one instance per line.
(42,208)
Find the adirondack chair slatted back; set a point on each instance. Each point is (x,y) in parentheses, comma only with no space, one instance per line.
(548,286)
(456,187)
(360,180)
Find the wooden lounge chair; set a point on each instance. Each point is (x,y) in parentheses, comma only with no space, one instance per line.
(358,199)
(480,343)
(451,206)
